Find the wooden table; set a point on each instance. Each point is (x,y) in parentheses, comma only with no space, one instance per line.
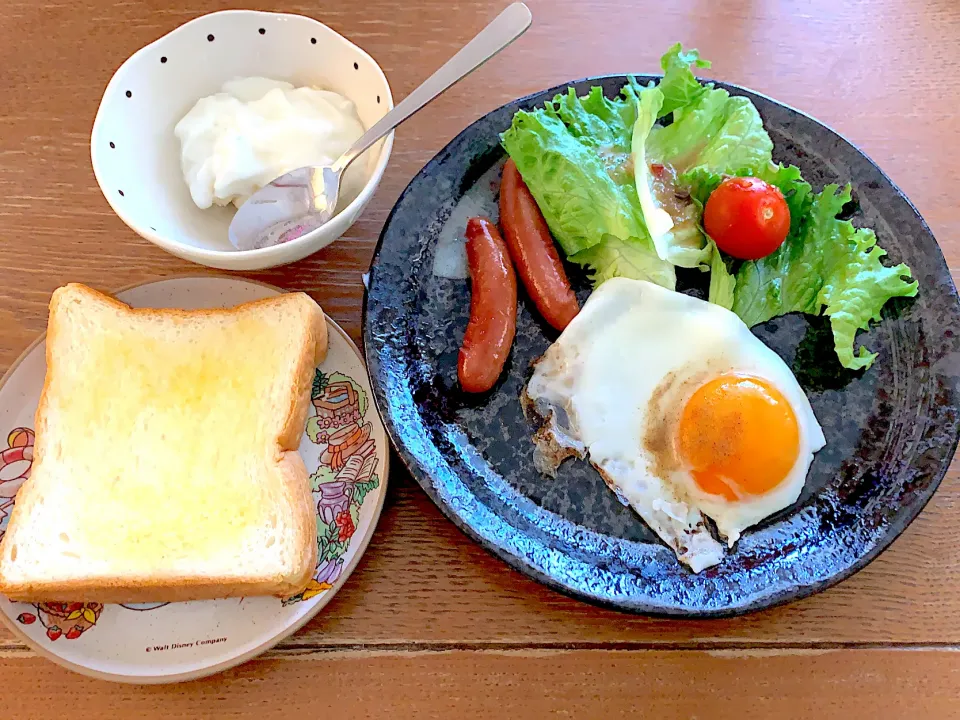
(430,625)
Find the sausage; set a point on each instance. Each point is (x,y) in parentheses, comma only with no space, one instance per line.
(533,251)
(493,308)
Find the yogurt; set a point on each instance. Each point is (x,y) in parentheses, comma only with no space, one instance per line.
(254,130)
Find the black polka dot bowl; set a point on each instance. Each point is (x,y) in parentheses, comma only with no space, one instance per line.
(136,155)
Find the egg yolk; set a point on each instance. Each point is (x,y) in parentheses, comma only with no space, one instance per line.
(738,436)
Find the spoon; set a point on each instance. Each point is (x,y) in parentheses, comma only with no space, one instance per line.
(302,200)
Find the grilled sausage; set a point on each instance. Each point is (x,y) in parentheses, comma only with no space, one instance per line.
(533,251)
(493,308)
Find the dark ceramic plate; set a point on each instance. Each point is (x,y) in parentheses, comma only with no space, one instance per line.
(891,431)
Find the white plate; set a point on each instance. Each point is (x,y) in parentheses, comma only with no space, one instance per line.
(179,641)
(136,156)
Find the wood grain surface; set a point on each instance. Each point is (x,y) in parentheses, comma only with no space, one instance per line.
(430,625)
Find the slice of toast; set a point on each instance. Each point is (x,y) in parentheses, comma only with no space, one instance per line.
(166,464)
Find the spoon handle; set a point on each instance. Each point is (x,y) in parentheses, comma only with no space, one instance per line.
(505,28)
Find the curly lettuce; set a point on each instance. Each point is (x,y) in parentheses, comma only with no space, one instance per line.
(827,266)
(710,132)
(574,155)
(679,85)
(635,258)
(658,221)
(723,283)
(856,284)
(623,182)
(568,178)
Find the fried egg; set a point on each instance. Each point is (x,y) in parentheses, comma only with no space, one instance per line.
(683,412)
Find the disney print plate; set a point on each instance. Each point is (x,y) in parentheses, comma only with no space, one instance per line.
(345,449)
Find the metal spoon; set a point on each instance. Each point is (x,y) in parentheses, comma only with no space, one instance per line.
(304,199)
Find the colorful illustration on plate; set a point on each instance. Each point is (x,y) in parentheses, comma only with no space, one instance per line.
(346,472)
(16,460)
(345,475)
(63,619)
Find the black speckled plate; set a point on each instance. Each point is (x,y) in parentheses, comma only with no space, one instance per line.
(891,431)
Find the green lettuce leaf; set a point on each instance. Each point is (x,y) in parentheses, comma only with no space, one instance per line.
(635,258)
(713,135)
(796,191)
(574,155)
(741,141)
(679,86)
(717,132)
(595,120)
(578,198)
(603,125)
(657,219)
(624,195)
(700,184)
(828,264)
(722,282)
(790,278)
(680,143)
(856,287)
(671,220)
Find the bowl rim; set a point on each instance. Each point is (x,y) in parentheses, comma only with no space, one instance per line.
(269,256)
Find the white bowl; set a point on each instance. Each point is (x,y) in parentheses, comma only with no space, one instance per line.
(136,156)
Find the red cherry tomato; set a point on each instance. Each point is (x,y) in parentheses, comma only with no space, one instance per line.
(747,217)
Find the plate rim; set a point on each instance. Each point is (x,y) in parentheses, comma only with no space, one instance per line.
(288,631)
(422,475)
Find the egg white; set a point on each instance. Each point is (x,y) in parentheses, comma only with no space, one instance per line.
(618,377)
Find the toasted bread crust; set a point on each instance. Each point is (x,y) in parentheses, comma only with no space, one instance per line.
(292,469)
